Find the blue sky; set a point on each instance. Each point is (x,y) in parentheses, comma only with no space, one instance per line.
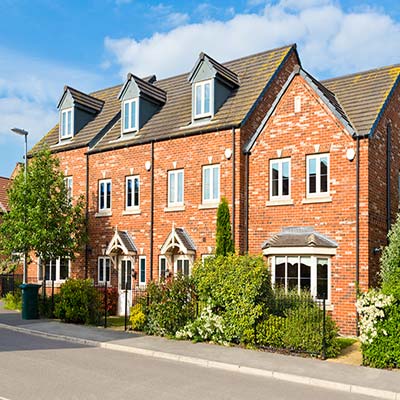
(92,44)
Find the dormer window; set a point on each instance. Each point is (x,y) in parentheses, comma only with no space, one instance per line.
(67,129)
(212,85)
(203,104)
(130,115)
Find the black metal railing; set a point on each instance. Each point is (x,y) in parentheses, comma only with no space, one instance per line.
(9,283)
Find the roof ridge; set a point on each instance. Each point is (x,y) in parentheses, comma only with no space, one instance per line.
(361,72)
(80,91)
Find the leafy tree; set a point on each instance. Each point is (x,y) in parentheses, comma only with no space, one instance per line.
(224,242)
(42,218)
(390,262)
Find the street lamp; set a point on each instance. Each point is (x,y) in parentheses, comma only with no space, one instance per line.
(24,133)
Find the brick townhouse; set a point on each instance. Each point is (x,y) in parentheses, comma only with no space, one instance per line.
(308,168)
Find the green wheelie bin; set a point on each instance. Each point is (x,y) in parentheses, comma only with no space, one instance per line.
(30,301)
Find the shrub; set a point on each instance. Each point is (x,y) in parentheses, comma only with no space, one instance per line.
(79,302)
(112,300)
(224,244)
(13,301)
(207,327)
(237,288)
(270,331)
(384,350)
(46,309)
(169,306)
(137,317)
(303,331)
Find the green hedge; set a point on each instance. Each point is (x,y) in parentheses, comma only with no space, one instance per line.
(79,302)
(237,288)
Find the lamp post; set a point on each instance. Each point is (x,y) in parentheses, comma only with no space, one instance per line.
(24,133)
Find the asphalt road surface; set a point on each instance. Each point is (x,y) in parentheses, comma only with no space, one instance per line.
(37,368)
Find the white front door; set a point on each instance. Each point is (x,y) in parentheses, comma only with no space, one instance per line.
(124,285)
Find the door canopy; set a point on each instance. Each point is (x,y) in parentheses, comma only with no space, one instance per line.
(121,243)
(178,242)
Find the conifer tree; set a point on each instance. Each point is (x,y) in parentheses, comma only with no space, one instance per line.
(224,242)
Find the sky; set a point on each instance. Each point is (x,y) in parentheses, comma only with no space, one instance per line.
(93,44)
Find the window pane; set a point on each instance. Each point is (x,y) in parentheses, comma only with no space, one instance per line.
(324,174)
(162,267)
(186,267)
(102,196)
(198,100)
(143,270)
(285,178)
(312,175)
(133,115)
(69,129)
(322,278)
(180,188)
(107,263)
(305,273)
(280,272)
(108,204)
(215,183)
(128,275)
(47,270)
(136,199)
(292,272)
(101,270)
(206,183)
(275,179)
(172,187)
(129,192)
(126,116)
(64,264)
(179,266)
(207,98)
(63,124)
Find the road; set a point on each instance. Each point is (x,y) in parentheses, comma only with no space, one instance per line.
(37,368)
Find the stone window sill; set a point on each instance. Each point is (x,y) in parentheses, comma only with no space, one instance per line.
(174,208)
(322,199)
(205,206)
(286,202)
(103,214)
(135,211)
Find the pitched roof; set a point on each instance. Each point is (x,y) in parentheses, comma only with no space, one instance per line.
(147,88)
(127,241)
(83,99)
(4,184)
(221,69)
(185,238)
(299,237)
(363,95)
(175,117)
(178,237)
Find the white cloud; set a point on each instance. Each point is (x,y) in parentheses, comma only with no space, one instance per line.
(331,41)
(167,17)
(29,92)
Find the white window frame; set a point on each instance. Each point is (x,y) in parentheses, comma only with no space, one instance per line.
(205,256)
(140,280)
(280,162)
(182,258)
(105,182)
(175,202)
(317,158)
(64,114)
(104,259)
(202,85)
(160,258)
(313,277)
(133,206)
(54,263)
(68,181)
(211,168)
(136,122)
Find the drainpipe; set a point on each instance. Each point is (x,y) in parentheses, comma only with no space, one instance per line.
(233,185)
(246,202)
(152,212)
(358,217)
(87,218)
(388,176)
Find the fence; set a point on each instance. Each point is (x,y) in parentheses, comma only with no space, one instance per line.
(293,323)
(9,283)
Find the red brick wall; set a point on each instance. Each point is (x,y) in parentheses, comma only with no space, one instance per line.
(313,130)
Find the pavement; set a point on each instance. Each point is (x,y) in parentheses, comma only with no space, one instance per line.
(377,383)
